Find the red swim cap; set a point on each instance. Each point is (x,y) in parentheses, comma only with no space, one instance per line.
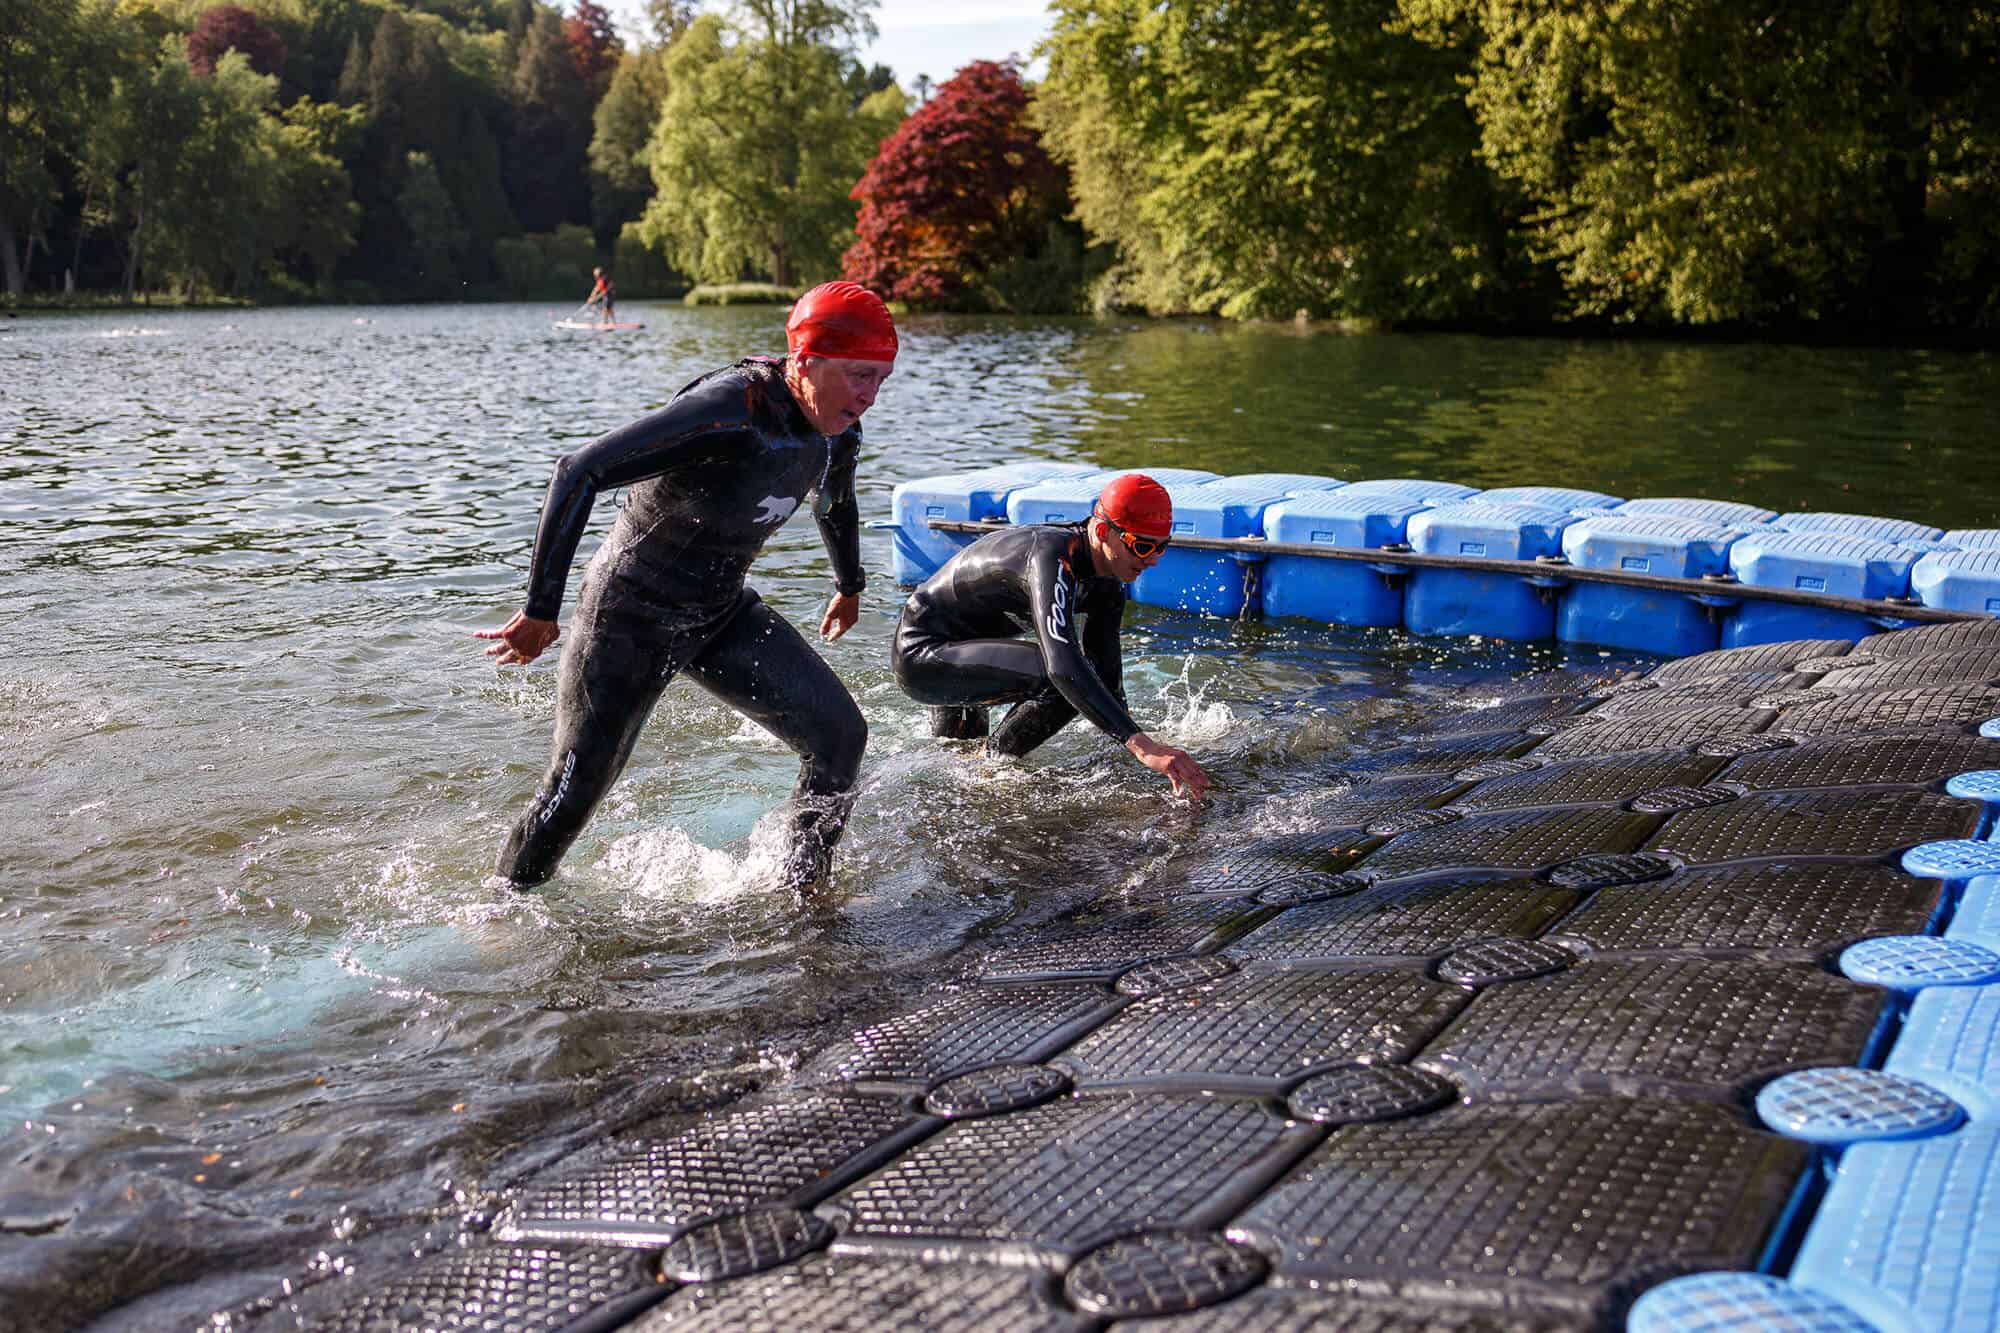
(841,319)
(1138,504)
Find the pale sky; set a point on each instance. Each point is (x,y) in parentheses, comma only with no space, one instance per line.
(934,37)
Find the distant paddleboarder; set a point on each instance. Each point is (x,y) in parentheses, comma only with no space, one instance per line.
(712,475)
(603,295)
(959,648)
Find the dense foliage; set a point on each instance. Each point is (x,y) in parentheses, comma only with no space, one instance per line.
(1780,164)
(1663,161)
(962,200)
(423,148)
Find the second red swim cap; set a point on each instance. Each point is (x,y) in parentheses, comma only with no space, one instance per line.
(1138,504)
(842,319)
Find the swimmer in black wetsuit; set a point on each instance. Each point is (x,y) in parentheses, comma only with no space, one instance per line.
(956,647)
(713,474)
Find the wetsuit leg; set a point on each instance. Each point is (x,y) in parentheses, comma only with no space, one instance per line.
(614,668)
(958,724)
(1035,719)
(764,669)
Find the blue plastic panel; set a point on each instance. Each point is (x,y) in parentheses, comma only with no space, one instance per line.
(1973,539)
(1211,582)
(1841,565)
(1954,858)
(1638,618)
(1844,1106)
(1916,962)
(1458,602)
(1291,483)
(1908,1235)
(1339,592)
(982,494)
(1059,501)
(1859,525)
(1729,513)
(1552,497)
(1951,1041)
(1415,488)
(1977,917)
(1739,1303)
(1959,580)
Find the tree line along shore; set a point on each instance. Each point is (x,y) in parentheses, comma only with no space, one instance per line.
(1648,164)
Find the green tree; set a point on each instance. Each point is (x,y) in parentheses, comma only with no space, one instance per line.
(759,142)
(1703,161)
(622,126)
(1260,157)
(56,62)
(437,238)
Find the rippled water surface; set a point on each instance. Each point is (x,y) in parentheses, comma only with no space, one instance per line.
(258,997)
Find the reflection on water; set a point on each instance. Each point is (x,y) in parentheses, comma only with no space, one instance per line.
(258,994)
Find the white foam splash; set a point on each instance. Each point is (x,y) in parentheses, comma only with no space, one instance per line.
(667,864)
(1191,719)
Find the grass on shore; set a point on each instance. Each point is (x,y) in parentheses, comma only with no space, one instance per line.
(741,293)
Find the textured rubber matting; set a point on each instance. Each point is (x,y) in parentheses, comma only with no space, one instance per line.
(1816,823)
(1773,657)
(787,1151)
(1109,945)
(1699,1025)
(1161,1272)
(1930,639)
(987,1025)
(1510,715)
(1497,1075)
(501,1288)
(1660,731)
(1062,1178)
(1939,707)
(1523,841)
(1704,692)
(841,1293)
(1562,1208)
(1929,757)
(1590,781)
(1447,754)
(1264,862)
(1276,1308)
(1976,666)
(1800,907)
(1271,1025)
(1423,920)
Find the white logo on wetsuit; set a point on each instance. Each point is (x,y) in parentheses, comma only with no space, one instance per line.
(562,787)
(773,509)
(1057,623)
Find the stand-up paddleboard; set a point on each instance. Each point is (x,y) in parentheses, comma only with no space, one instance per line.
(597,326)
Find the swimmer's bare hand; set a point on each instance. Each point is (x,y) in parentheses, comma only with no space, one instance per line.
(1176,766)
(521,639)
(841,613)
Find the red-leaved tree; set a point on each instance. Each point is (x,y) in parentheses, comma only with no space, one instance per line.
(233,28)
(961,186)
(593,45)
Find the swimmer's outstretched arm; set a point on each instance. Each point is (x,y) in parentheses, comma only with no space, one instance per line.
(1176,766)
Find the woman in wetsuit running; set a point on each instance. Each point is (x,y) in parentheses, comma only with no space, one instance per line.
(957,646)
(712,475)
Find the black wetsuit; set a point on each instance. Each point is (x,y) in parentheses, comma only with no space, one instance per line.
(712,475)
(957,644)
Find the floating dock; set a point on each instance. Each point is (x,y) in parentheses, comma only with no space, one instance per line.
(1671,1003)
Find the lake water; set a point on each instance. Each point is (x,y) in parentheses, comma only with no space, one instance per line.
(259,999)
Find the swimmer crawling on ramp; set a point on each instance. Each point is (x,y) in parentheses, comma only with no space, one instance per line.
(712,475)
(957,646)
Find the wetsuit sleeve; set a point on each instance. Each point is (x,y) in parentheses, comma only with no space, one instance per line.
(646,448)
(839,516)
(1052,595)
(1103,618)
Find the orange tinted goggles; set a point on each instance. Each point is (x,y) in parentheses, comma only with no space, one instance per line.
(1142,546)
